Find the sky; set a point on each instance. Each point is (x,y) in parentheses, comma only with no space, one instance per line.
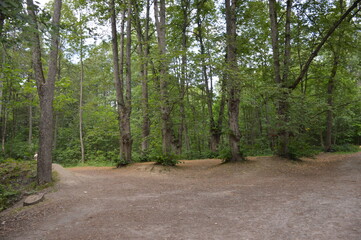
(41,2)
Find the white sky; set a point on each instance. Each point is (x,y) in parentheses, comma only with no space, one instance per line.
(41,2)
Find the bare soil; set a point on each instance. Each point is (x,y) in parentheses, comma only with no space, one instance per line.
(263,198)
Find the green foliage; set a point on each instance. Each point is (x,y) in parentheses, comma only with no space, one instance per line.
(17,178)
(165,160)
(226,155)
(346,148)
(300,147)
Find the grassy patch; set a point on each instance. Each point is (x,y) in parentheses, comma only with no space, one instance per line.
(91,164)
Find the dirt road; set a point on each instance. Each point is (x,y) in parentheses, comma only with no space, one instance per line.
(264,198)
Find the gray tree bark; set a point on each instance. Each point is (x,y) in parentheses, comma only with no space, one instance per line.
(143,49)
(159,13)
(233,88)
(45,90)
(123,102)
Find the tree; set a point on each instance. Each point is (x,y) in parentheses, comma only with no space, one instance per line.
(45,89)
(143,51)
(215,125)
(232,83)
(123,102)
(159,15)
(281,75)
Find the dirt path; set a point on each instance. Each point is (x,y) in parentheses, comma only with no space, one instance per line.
(265,198)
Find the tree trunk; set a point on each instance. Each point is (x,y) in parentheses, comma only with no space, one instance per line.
(126,111)
(233,83)
(30,133)
(45,90)
(123,103)
(159,12)
(4,129)
(1,98)
(143,49)
(81,102)
(331,85)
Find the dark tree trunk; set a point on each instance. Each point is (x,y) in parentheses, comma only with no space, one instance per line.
(45,90)
(30,133)
(122,104)
(185,4)
(127,141)
(233,88)
(159,12)
(215,127)
(143,51)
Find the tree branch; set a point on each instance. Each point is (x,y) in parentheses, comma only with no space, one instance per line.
(320,45)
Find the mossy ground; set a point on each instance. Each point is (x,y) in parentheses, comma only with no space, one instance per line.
(18,178)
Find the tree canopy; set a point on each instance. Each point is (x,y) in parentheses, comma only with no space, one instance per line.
(164,80)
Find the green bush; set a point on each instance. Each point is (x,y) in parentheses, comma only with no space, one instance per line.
(346,148)
(300,148)
(165,160)
(226,155)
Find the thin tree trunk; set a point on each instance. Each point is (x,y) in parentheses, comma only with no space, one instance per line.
(4,129)
(45,90)
(126,111)
(81,102)
(56,123)
(30,133)
(315,52)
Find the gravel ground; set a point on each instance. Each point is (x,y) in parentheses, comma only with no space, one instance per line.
(263,198)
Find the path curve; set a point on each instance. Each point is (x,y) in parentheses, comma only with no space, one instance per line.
(264,198)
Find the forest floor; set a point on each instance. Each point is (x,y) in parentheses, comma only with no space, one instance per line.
(263,198)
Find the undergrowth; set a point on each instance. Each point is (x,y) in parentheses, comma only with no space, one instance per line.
(17,178)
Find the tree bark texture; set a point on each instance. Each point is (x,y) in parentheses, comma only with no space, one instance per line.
(143,50)
(45,90)
(82,150)
(122,102)
(127,141)
(233,88)
(159,12)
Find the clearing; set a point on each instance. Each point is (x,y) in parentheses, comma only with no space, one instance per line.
(264,198)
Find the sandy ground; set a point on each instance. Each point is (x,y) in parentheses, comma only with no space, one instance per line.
(264,198)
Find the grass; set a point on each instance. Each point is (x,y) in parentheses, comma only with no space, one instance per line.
(90,164)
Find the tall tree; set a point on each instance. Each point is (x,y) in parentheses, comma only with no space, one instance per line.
(281,72)
(215,125)
(232,81)
(143,50)
(123,102)
(160,22)
(46,88)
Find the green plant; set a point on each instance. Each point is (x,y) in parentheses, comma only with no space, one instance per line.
(165,160)
(346,148)
(301,148)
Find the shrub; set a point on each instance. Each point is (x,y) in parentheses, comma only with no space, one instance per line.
(299,148)
(165,160)
(346,148)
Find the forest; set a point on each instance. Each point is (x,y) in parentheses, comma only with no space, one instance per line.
(122,81)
